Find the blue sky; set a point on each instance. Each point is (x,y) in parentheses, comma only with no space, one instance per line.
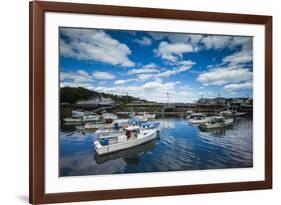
(150,64)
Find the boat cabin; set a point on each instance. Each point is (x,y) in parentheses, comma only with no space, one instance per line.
(132,132)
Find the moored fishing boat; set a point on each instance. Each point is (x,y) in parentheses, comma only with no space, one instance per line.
(141,118)
(232,113)
(90,118)
(116,124)
(95,126)
(133,136)
(127,153)
(109,117)
(81,119)
(150,116)
(120,123)
(112,132)
(216,122)
(147,116)
(77,114)
(197,118)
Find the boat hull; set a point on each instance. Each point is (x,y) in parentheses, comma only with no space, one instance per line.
(210,126)
(102,150)
(95,126)
(134,151)
(192,121)
(79,120)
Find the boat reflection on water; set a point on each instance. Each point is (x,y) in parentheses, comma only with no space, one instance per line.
(129,155)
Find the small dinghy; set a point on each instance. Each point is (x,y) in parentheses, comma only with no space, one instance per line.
(132,137)
(217,122)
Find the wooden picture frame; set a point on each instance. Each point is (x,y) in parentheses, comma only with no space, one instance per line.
(37,11)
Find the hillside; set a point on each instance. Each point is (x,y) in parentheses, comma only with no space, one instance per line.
(73,95)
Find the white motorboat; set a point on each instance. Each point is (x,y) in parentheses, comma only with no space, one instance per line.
(216,122)
(109,117)
(197,118)
(120,123)
(147,116)
(95,126)
(232,113)
(188,113)
(114,131)
(77,114)
(81,119)
(127,153)
(90,118)
(107,125)
(72,120)
(141,118)
(133,136)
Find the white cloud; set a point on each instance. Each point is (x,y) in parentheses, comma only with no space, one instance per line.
(167,73)
(186,87)
(243,56)
(239,57)
(195,38)
(100,75)
(76,85)
(172,52)
(150,65)
(156,85)
(199,41)
(119,82)
(221,76)
(186,63)
(244,41)
(146,74)
(79,76)
(144,41)
(153,90)
(149,68)
(96,45)
(181,66)
(238,86)
(178,37)
(143,70)
(216,42)
(158,35)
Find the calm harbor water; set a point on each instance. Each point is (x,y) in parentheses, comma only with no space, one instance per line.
(180,146)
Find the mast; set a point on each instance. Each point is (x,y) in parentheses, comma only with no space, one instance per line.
(168,96)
